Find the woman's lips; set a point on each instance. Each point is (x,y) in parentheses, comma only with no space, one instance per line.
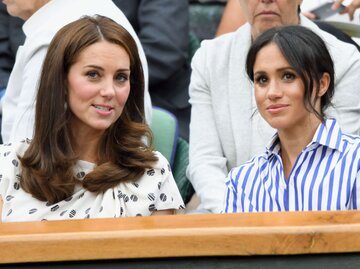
(267,13)
(103,110)
(274,109)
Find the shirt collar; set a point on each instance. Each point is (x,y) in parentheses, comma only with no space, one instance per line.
(273,147)
(327,134)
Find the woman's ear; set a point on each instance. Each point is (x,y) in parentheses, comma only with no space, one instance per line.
(324,84)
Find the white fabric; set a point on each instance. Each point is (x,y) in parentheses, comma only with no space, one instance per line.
(224,131)
(19,100)
(156,189)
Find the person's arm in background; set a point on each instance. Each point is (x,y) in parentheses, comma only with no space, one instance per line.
(350,9)
(207,168)
(231,19)
(6,58)
(24,116)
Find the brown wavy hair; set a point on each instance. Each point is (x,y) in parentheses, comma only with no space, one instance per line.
(48,163)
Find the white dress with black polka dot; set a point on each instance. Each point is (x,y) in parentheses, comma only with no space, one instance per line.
(155,190)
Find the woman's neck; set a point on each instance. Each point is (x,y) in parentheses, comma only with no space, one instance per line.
(293,142)
(86,147)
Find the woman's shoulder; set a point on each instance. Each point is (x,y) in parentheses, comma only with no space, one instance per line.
(161,163)
(227,39)
(216,53)
(222,43)
(352,141)
(159,170)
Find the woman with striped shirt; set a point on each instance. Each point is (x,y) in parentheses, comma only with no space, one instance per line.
(309,164)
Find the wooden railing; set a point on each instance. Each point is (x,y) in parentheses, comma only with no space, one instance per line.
(181,236)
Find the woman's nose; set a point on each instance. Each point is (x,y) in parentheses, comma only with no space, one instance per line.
(274,90)
(107,88)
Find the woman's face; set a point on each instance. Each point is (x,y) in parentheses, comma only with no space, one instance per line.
(263,15)
(23,8)
(279,91)
(98,87)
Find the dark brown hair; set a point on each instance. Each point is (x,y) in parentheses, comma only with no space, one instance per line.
(48,163)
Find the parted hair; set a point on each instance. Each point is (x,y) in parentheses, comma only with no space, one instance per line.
(307,53)
(125,149)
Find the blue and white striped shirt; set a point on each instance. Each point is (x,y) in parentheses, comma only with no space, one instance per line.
(325,176)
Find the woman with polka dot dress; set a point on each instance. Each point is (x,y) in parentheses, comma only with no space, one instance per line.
(90,155)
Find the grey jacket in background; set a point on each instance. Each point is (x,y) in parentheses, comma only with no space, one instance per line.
(163,29)
(11,36)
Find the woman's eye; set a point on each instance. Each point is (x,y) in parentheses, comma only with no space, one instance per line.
(261,80)
(289,76)
(92,74)
(121,77)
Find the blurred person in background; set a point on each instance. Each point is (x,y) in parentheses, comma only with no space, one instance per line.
(233,18)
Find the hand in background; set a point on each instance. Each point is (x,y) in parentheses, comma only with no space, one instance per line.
(350,9)
(309,15)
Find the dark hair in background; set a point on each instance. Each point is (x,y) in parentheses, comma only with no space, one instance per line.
(306,52)
(48,163)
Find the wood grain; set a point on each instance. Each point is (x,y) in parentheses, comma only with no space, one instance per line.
(181,236)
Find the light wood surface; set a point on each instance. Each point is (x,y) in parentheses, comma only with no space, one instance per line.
(181,236)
